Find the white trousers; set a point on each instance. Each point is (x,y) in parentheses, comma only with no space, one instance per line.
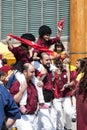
(63,113)
(45,121)
(27,122)
(74,106)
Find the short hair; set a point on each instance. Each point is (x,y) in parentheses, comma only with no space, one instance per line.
(27,36)
(26,66)
(2,73)
(44,30)
(4,61)
(58,63)
(42,54)
(19,66)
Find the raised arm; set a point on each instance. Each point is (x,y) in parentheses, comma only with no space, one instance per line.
(8,39)
(60,27)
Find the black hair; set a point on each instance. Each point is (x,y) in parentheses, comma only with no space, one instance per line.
(27,36)
(44,30)
(59,44)
(83,81)
(58,63)
(4,61)
(2,73)
(19,66)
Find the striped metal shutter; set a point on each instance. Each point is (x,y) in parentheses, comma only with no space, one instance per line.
(49,12)
(34,16)
(64,12)
(50,15)
(6,18)
(20,16)
(13,17)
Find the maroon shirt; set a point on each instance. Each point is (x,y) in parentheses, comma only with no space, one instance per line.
(5,68)
(48,80)
(48,87)
(32,97)
(47,44)
(20,54)
(59,83)
(81,109)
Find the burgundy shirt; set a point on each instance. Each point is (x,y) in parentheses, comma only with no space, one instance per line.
(81,109)
(59,83)
(48,86)
(32,97)
(5,68)
(47,44)
(48,83)
(48,80)
(20,54)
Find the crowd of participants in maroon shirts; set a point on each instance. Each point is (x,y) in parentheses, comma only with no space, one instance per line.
(59,81)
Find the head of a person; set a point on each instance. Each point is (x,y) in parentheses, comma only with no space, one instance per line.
(12,66)
(28,71)
(59,64)
(79,64)
(45,60)
(27,36)
(83,81)
(4,61)
(18,66)
(66,60)
(59,47)
(45,32)
(2,76)
(83,65)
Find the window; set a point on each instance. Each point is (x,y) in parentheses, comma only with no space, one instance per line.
(20,16)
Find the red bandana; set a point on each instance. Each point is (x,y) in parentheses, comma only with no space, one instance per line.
(32,44)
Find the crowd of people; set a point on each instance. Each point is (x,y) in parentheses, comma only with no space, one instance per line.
(41,91)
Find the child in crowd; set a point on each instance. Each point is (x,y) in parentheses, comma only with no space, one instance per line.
(59,51)
(44,37)
(46,41)
(21,54)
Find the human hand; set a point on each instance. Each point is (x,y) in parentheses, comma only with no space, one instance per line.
(8,38)
(64,87)
(39,83)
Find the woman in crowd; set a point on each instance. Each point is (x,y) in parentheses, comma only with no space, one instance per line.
(81,99)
